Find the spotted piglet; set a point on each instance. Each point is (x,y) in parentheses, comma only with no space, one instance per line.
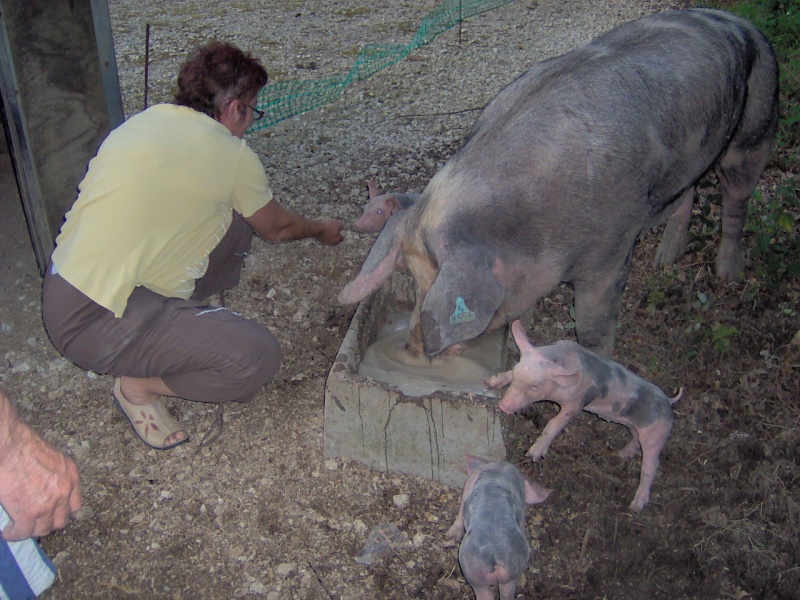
(495,550)
(577,379)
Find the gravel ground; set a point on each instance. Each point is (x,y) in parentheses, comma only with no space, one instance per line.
(258,512)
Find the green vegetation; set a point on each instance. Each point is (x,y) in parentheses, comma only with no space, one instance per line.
(772,230)
(701,331)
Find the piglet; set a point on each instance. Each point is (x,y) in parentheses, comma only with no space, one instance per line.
(380,208)
(495,550)
(575,379)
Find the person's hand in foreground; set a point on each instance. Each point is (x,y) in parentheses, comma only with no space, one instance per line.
(39,486)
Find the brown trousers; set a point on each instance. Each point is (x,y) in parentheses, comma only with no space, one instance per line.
(201,352)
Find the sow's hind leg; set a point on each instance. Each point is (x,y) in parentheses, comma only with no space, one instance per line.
(740,166)
(738,172)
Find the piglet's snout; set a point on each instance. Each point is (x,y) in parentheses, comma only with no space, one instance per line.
(511,403)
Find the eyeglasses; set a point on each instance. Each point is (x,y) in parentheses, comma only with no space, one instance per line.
(257,114)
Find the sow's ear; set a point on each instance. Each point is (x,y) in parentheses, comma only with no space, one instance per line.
(380,263)
(461,302)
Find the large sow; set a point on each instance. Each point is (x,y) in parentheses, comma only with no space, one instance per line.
(571,163)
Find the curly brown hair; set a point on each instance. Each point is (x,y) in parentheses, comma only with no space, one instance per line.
(216,73)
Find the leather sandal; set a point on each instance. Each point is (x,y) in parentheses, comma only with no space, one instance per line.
(151,422)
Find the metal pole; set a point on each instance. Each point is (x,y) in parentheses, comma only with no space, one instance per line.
(108,62)
(146,61)
(459,22)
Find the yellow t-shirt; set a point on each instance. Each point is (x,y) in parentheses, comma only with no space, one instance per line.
(156,200)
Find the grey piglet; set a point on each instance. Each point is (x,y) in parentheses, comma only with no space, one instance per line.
(494,550)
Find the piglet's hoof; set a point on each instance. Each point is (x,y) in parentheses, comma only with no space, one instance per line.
(499,380)
(535,453)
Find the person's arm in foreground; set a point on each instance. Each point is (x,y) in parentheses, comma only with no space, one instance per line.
(276,224)
(39,486)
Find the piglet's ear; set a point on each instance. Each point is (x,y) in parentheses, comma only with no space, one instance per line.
(556,371)
(393,204)
(520,337)
(474,462)
(373,189)
(535,493)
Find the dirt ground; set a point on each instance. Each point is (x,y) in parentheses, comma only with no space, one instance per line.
(259,512)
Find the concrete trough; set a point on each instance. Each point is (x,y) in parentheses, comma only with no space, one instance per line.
(378,425)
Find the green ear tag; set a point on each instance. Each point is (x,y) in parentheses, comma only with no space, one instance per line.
(461,314)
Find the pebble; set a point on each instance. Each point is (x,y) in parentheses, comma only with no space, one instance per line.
(84,514)
(21,367)
(258,588)
(400,500)
(58,364)
(286,569)
(359,526)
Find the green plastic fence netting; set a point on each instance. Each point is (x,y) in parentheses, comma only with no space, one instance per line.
(284,99)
